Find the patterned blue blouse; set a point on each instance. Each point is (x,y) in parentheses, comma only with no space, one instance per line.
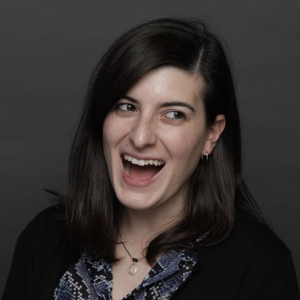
(91,278)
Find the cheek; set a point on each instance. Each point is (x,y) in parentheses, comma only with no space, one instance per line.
(114,131)
(111,131)
(187,145)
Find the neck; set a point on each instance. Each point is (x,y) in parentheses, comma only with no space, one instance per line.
(137,231)
(140,227)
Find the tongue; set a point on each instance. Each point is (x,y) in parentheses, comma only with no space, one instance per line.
(143,173)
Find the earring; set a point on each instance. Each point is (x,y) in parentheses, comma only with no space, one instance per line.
(205,157)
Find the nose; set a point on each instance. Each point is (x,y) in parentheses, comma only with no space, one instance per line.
(143,133)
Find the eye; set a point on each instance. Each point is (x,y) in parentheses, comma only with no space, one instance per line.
(125,107)
(175,115)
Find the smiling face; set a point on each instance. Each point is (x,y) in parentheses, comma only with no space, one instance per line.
(154,137)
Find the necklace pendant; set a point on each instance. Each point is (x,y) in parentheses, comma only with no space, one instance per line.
(132,269)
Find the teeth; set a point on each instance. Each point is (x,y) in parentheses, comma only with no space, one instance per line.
(134,161)
(142,162)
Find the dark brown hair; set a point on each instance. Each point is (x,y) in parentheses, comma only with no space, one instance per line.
(216,187)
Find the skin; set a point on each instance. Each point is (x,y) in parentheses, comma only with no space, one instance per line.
(147,124)
(161,117)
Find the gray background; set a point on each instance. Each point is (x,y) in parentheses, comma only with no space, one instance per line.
(48,50)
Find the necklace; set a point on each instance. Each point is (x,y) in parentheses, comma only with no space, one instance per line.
(132,268)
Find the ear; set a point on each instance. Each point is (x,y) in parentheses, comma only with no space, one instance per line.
(214,131)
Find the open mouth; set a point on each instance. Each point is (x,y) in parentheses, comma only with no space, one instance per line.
(141,169)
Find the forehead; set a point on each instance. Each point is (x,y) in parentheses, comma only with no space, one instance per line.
(168,84)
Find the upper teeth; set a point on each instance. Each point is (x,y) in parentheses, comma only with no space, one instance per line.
(143,162)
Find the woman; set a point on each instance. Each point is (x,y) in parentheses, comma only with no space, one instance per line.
(157,207)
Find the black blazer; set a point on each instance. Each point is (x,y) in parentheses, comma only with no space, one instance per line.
(252,263)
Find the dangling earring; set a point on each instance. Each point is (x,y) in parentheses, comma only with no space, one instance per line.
(205,157)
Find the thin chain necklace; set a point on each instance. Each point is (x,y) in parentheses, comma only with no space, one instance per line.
(132,268)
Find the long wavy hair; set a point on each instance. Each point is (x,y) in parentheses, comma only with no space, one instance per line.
(216,188)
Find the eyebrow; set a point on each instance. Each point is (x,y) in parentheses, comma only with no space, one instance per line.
(165,104)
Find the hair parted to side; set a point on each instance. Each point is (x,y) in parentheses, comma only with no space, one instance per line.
(216,188)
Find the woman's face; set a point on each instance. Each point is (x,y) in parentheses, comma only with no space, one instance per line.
(154,137)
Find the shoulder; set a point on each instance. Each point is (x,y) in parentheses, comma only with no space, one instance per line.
(43,237)
(251,263)
(255,238)
(48,223)
(250,245)
(41,255)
